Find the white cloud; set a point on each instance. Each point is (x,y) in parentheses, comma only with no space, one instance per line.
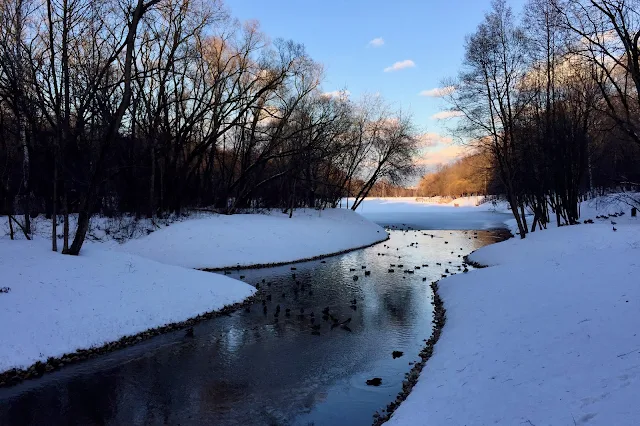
(407,63)
(432,139)
(376,42)
(340,94)
(443,115)
(438,92)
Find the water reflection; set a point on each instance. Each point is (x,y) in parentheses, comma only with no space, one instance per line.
(262,368)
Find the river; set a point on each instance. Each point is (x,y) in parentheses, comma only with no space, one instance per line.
(254,367)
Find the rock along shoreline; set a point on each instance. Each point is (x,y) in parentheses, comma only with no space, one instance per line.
(439,320)
(16,375)
(293,262)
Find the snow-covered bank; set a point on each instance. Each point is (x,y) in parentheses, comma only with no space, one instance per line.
(548,335)
(219,241)
(58,304)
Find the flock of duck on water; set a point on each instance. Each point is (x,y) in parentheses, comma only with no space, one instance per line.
(332,317)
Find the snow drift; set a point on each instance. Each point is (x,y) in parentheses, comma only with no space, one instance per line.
(548,335)
(220,241)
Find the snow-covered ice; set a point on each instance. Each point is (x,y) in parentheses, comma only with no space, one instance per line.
(219,241)
(425,213)
(548,335)
(58,304)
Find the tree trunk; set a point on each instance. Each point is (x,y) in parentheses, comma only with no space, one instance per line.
(152,183)
(54,209)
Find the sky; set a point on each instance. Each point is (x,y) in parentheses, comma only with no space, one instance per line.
(396,48)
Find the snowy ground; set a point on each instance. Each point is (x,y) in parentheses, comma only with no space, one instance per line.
(548,335)
(58,304)
(226,241)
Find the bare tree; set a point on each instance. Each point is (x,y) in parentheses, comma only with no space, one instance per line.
(393,145)
(607,33)
(488,96)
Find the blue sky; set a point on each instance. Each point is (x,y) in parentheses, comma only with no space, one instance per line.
(336,33)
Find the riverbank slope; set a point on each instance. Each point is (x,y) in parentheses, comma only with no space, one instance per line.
(548,334)
(134,276)
(246,240)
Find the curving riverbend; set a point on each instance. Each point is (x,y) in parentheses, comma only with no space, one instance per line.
(259,368)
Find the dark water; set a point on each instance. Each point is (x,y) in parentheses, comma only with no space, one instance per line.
(254,368)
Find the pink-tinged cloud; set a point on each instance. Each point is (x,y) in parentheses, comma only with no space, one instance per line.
(446,155)
(432,139)
(443,115)
(407,63)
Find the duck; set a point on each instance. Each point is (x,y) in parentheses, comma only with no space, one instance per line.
(397,354)
(376,381)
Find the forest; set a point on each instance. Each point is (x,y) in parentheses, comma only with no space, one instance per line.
(151,107)
(155,107)
(550,102)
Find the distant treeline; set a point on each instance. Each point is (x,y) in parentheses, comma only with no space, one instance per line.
(472,174)
(553,99)
(612,165)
